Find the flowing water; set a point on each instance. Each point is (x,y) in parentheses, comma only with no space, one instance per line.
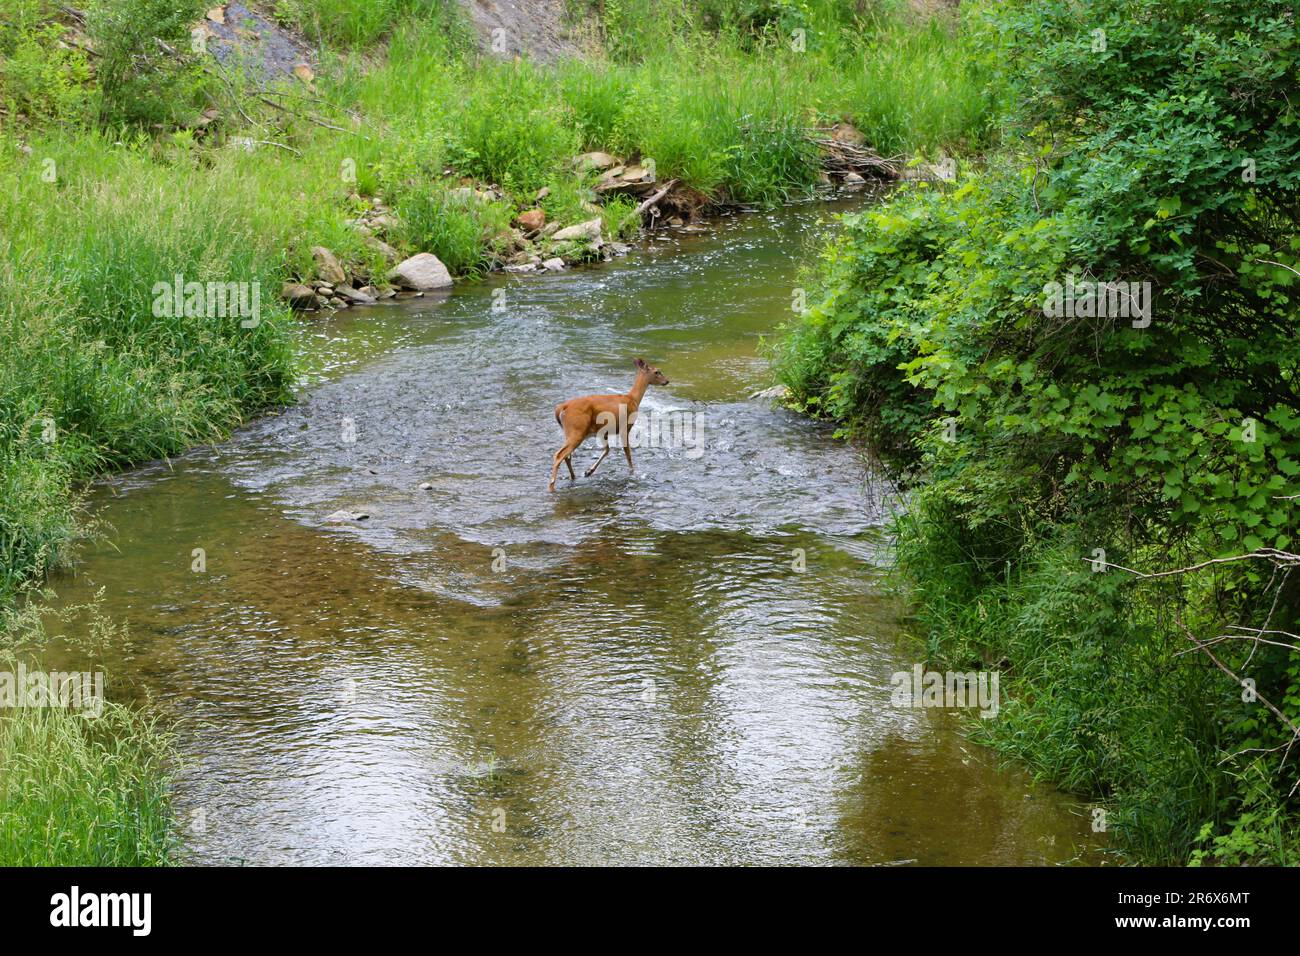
(685,664)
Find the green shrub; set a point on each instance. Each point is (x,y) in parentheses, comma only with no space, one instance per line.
(43,79)
(147,73)
(1047,436)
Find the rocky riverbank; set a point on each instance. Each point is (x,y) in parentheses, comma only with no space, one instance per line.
(533,244)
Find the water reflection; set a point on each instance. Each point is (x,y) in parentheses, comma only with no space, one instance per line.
(633,670)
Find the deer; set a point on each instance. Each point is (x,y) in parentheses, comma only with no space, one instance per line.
(596,414)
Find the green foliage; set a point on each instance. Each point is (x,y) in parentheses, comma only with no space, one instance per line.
(357,23)
(598,98)
(80,788)
(1043,431)
(83,791)
(42,77)
(459,229)
(147,74)
(926,87)
(510,131)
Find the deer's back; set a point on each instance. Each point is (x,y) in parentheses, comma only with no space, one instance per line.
(589,412)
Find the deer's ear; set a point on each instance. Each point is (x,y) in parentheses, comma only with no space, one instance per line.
(640,363)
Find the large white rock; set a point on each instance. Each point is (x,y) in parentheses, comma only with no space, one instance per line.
(589,230)
(421,272)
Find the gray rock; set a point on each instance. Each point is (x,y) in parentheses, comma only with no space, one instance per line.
(298,296)
(328,267)
(383,248)
(596,160)
(420,272)
(589,230)
(554,265)
(340,516)
(355,296)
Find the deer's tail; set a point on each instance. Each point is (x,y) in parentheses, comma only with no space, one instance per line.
(559,415)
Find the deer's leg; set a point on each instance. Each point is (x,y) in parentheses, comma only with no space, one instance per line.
(590,471)
(627,450)
(569,461)
(561,455)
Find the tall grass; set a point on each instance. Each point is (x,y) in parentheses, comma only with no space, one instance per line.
(80,788)
(357,23)
(90,377)
(77,790)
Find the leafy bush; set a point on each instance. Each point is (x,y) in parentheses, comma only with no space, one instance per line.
(147,73)
(42,79)
(1047,434)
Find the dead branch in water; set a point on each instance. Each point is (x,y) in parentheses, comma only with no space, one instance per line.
(654,199)
(841,158)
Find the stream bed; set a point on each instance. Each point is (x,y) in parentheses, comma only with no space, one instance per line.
(685,664)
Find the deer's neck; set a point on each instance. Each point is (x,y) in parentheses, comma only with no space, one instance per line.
(638,392)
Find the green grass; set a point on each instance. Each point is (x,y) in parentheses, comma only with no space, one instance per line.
(83,791)
(80,788)
(354,23)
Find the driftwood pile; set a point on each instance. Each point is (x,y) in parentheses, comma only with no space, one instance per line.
(846,157)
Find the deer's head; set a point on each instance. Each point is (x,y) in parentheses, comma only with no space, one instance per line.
(655,376)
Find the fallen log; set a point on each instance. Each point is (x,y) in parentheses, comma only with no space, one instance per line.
(654,199)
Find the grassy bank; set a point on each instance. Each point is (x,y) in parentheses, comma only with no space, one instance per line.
(127,161)
(85,784)
(1056,455)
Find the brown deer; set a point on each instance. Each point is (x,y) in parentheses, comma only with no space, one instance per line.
(592,414)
